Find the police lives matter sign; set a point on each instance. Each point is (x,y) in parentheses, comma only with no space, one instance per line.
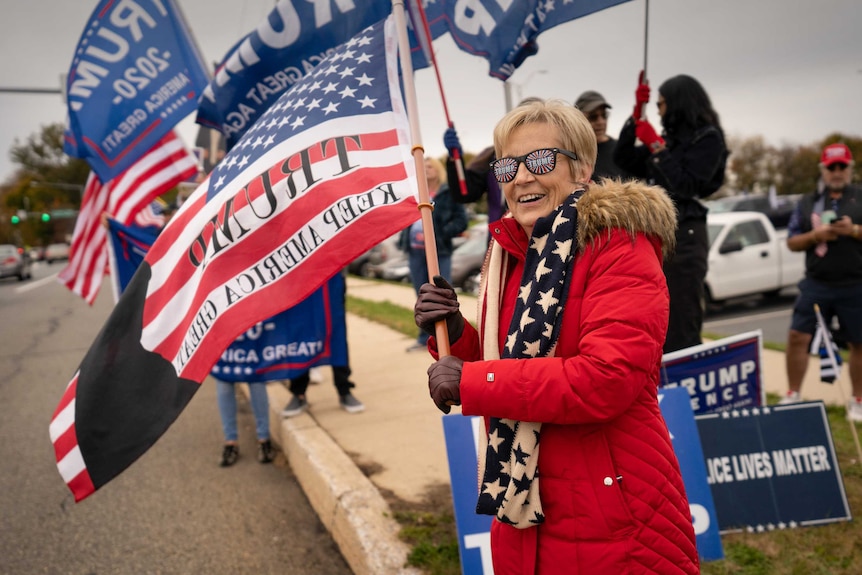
(772,468)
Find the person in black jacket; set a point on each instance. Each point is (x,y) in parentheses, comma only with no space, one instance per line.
(596,109)
(688,162)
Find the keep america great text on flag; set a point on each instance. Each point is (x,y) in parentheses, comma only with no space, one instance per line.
(325,174)
(312,175)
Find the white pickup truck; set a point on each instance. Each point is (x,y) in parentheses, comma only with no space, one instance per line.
(748,256)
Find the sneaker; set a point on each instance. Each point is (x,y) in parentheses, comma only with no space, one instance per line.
(854,409)
(265,452)
(791,397)
(229,455)
(295,406)
(416,346)
(350,404)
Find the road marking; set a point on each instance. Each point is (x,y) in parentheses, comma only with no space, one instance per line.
(36,284)
(749,318)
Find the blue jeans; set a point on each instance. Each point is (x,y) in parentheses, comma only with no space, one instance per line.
(419,276)
(227,408)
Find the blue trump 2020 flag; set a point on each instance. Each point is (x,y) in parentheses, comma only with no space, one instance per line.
(135,74)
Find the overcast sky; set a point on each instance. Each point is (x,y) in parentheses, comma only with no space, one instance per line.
(788,70)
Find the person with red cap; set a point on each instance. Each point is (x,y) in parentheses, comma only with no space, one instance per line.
(827,226)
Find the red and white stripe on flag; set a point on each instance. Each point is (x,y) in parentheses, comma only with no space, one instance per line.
(163,167)
(70,462)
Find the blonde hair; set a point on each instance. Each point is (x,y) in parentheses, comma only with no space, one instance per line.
(576,134)
(438,167)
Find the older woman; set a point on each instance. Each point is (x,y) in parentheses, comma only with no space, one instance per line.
(574,309)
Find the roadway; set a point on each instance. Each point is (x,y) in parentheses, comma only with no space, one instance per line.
(770,315)
(175,511)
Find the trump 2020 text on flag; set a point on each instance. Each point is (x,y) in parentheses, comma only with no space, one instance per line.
(167,164)
(135,74)
(323,175)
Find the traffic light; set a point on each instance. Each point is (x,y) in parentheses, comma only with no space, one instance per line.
(16,220)
(46,217)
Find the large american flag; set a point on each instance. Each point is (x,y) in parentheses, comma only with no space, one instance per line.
(167,164)
(325,173)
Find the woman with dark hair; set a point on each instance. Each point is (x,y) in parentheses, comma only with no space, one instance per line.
(688,162)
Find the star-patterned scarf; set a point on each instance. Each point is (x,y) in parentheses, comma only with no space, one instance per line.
(509,481)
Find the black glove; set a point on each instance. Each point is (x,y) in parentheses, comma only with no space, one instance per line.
(437,302)
(444,382)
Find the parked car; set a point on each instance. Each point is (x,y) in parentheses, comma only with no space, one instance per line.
(359,266)
(748,256)
(368,263)
(37,254)
(14,262)
(778,210)
(467,260)
(388,262)
(56,252)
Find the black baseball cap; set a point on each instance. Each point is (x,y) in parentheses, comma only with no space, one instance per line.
(590,101)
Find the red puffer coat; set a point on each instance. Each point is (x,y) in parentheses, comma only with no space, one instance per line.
(610,484)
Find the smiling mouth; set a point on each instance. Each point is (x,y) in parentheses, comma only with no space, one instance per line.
(530,198)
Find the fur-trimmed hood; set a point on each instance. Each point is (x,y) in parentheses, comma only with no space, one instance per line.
(632,206)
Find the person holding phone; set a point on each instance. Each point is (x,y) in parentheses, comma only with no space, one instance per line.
(827,226)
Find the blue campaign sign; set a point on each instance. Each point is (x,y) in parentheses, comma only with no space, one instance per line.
(135,74)
(474,531)
(720,375)
(676,409)
(773,468)
(311,333)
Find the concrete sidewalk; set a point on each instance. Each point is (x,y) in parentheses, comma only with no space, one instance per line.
(396,446)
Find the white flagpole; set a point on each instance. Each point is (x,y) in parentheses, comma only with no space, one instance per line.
(827,340)
(425,205)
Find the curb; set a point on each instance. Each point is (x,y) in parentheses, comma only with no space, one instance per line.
(347,503)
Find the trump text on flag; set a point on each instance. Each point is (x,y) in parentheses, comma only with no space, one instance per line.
(135,74)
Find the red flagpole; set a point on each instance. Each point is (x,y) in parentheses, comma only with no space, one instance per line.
(456,154)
